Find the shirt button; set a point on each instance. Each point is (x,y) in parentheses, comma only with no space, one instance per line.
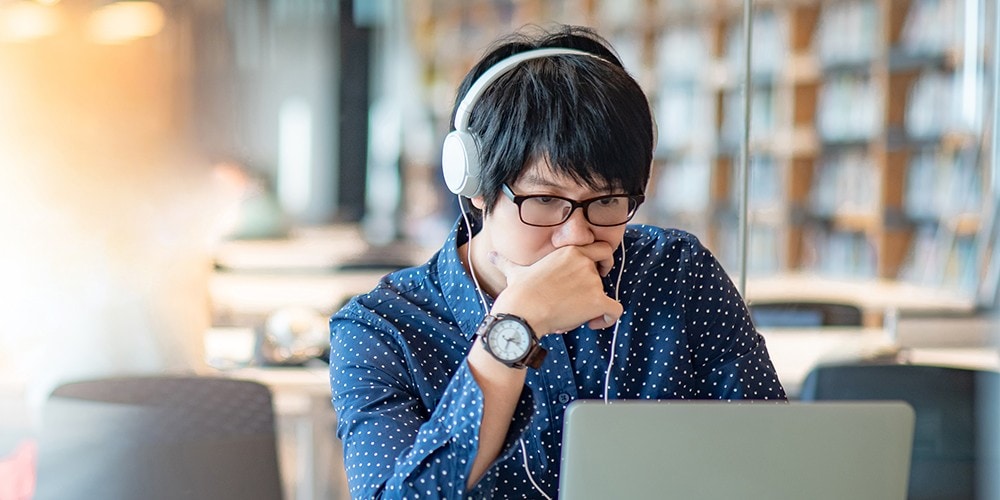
(564,398)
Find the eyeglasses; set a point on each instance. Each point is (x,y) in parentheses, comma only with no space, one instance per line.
(542,210)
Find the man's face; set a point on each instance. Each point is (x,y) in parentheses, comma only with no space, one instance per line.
(525,244)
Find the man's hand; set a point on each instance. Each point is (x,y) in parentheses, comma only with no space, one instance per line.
(560,291)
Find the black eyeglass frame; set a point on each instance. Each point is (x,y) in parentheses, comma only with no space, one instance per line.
(582,204)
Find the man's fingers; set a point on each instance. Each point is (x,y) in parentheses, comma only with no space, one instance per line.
(609,318)
(602,322)
(505,266)
(602,254)
(598,251)
(604,266)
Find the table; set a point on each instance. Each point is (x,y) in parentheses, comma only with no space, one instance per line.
(795,351)
(874,297)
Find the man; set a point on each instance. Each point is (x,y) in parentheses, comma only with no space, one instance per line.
(450,379)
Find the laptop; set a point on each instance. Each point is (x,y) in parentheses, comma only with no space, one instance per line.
(729,450)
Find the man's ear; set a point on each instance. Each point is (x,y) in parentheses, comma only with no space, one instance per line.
(478,201)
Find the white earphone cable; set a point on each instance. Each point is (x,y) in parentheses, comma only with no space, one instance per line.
(468,256)
(524,455)
(614,335)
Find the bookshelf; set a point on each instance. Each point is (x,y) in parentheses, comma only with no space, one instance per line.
(868,158)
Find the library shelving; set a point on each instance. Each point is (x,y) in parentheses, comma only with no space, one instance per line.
(868,139)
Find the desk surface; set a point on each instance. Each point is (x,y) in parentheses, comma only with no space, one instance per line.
(257,277)
(870,295)
(263,294)
(795,351)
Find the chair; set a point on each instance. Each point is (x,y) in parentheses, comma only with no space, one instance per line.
(957,431)
(804,314)
(159,437)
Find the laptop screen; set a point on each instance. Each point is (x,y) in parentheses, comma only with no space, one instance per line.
(745,450)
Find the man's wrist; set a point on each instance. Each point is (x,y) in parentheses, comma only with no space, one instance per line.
(534,321)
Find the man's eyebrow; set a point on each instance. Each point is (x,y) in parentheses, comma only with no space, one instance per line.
(535,180)
(538,181)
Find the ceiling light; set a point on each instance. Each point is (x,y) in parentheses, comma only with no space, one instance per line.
(124,21)
(22,21)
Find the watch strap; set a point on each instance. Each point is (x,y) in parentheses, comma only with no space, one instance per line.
(536,354)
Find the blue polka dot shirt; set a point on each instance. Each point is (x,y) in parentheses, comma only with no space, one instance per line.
(409,408)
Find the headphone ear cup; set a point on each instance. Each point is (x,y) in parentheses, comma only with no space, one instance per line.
(460,162)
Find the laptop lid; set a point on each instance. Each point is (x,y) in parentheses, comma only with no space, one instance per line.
(728,450)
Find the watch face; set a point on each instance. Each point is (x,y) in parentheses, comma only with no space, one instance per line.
(509,340)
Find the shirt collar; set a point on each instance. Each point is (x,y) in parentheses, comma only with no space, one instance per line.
(456,283)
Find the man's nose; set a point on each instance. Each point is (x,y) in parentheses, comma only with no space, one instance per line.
(575,231)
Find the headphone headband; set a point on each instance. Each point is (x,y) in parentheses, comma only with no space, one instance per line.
(460,151)
(464,110)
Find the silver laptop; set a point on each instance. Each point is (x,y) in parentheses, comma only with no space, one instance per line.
(728,450)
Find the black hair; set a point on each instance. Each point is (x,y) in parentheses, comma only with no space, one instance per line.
(585,116)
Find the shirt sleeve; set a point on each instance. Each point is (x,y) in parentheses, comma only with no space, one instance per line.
(396,443)
(730,355)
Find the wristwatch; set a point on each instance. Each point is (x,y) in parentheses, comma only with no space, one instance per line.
(511,341)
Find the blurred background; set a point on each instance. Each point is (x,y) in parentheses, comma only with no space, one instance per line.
(195,186)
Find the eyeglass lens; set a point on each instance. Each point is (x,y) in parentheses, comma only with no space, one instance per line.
(607,211)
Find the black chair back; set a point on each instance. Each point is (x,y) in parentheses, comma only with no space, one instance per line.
(957,431)
(804,314)
(159,437)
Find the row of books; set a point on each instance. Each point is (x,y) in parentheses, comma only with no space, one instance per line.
(849,108)
(932,27)
(939,258)
(934,259)
(839,253)
(683,186)
(684,53)
(686,113)
(764,192)
(942,102)
(940,183)
(858,18)
(831,253)
(769,45)
(765,250)
(943,183)
(763,115)
(685,117)
(845,182)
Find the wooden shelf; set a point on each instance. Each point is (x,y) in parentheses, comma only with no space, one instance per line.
(855,221)
(802,68)
(965,224)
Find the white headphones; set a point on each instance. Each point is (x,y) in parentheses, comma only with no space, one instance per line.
(460,152)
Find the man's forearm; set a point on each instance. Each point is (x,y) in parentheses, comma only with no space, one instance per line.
(502,387)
